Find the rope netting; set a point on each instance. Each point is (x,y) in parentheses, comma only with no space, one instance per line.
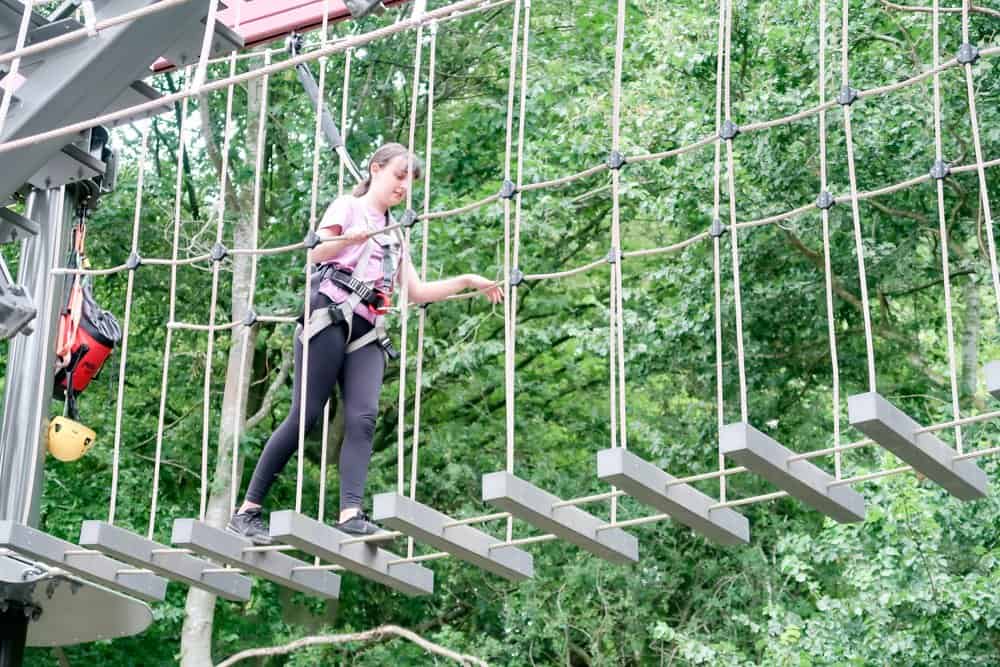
(512,201)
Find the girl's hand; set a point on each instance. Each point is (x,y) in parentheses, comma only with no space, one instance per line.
(489,288)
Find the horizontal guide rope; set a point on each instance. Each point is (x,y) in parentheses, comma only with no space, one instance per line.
(646,252)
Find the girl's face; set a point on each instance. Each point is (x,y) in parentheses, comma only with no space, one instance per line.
(391,182)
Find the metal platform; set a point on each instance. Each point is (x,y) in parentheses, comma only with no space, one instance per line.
(83,79)
(993,378)
(141,552)
(92,565)
(431,527)
(239,552)
(649,485)
(67,610)
(537,507)
(363,558)
(893,429)
(764,456)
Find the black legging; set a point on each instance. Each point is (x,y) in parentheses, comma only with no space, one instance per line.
(359,375)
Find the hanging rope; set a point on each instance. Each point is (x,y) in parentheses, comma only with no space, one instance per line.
(418,10)
(307,288)
(239,412)
(325,437)
(617,337)
(129,289)
(984,193)
(164,378)
(507,314)
(855,212)
(735,244)
(716,254)
(943,228)
(424,242)
(827,268)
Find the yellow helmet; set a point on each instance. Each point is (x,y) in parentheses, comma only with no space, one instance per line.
(68,439)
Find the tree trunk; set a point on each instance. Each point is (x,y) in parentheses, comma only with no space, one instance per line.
(970,343)
(199,611)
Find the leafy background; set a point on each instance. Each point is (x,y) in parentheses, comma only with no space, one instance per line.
(915,584)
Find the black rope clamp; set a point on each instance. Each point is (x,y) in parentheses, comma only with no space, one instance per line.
(967,54)
(250,318)
(717,229)
(311,240)
(614,255)
(940,170)
(825,201)
(615,160)
(134,261)
(516,277)
(409,218)
(729,130)
(847,96)
(219,252)
(508,189)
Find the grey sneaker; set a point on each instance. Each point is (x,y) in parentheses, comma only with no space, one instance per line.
(359,524)
(251,525)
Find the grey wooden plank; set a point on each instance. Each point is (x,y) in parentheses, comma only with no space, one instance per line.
(272,565)
(94,567)
(535,506)
(648,484)
(893,429)
(429,526)
(766,457)
(365,559)
(126,546)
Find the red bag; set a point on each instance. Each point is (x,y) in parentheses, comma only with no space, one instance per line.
(87,333)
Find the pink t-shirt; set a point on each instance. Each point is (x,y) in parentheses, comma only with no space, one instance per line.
(347,214)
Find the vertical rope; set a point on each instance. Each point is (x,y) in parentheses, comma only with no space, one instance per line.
(213,302)
(735,246)
(345,98)
(516,243)
(984,193)
(827,266)
(616,241)
(943,226)
(507,332)
(425,228)
(325,437)
(855,212)
(238,414)
(716,259)
(123,361)
(617,303)
(13,75)
(404,291)
(172,308)
(307,289)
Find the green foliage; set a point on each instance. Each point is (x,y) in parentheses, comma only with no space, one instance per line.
(916,584)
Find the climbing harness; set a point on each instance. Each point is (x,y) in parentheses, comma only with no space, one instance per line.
(373,293)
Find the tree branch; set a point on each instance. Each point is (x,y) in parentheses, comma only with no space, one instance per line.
(272,393)
(927,10)
(376,634)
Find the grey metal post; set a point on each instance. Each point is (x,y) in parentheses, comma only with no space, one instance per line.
(28,389)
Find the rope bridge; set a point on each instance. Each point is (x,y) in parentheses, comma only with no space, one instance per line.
(714,516)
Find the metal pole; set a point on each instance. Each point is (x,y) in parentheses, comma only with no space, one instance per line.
(13,634)
(29,380)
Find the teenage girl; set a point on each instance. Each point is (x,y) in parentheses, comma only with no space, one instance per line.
(358,373)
